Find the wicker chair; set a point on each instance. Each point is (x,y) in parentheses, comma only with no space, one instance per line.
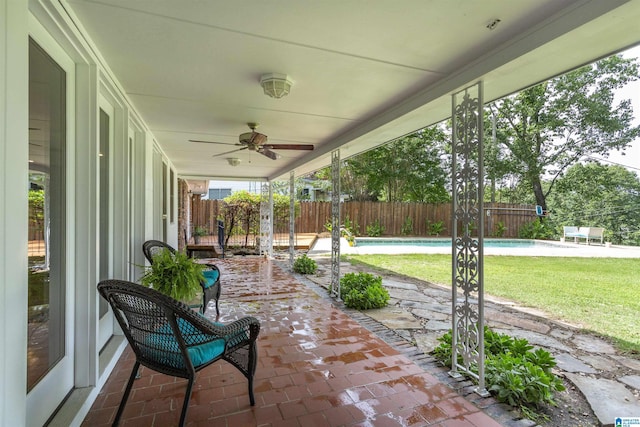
(210,288)
(169,337)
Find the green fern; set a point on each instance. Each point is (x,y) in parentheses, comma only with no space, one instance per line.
(175,275)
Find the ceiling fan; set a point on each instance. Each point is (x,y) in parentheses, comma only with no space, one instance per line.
(255,141)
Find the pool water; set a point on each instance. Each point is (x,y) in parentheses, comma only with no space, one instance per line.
(445,242)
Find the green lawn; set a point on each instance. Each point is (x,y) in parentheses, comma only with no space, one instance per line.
(601,294)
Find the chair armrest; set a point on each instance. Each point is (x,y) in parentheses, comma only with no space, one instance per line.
(248,327)
(212,267)
(237,333)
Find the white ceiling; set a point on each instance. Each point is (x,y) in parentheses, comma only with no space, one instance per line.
(364,71)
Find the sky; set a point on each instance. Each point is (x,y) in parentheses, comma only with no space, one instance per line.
(631,91)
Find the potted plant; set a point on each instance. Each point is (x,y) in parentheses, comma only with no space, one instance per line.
(351,240)
(199,232)
(175,275)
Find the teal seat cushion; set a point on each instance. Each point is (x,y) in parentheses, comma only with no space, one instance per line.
(210,277)
(163,347)
(203,353)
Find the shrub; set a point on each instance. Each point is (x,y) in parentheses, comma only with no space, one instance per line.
(200,231)
(375,229)
(536,230)
(435,228)
(500,229)
(514,373)
(363,291)
(351,227)
(305,265)
(407,227)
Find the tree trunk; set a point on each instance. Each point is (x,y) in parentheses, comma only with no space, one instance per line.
(493,190)
(537,191)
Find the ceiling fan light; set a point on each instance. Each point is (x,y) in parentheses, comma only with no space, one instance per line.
(276,85)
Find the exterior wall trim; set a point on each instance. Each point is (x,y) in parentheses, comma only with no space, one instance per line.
(14,124)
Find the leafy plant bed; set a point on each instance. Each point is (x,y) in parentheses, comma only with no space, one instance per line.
(515,373)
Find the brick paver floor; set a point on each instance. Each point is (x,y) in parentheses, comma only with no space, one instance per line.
(316,367)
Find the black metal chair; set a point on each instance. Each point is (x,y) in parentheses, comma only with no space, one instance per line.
(169,337)
(211,287)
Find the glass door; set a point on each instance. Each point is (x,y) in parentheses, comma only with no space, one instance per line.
(106,132)
(159,229)
(50,290)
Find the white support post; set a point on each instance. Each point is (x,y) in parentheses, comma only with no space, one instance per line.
(266,221)
(467,235)
(335,224)
(292,219)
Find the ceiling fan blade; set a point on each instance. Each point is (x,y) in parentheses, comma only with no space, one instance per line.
(229,152)
(214,142)
(307,147)
(270,154)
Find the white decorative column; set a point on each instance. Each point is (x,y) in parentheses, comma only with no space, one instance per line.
(467,235)
(266,220)
(292,218)
(335,224)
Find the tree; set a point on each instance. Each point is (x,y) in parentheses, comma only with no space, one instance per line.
(241,213)
(301,183)
(354,175)
(549,127)
(600,196)
(406,170)
(499,168)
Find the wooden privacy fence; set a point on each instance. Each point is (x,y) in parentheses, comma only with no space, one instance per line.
(391,216)
(414,219)
(204,213)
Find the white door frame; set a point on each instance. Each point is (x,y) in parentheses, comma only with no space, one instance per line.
(105,323)
(47,395)
(137,148)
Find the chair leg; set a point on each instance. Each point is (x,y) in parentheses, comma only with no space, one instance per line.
(185,405)
(217,297)
(253,362)
(252,399)
(127,390)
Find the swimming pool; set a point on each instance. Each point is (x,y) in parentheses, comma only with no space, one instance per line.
(492,246)
(446,242)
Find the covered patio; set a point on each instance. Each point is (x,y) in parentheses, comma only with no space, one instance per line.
(108,107)
(317,366)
